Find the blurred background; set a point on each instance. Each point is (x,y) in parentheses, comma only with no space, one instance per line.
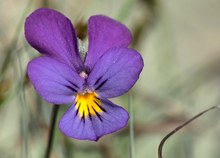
(180,43)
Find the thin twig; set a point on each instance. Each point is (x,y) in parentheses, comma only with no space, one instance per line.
(160,148)
(51,132)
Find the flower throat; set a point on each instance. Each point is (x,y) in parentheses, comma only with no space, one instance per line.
(88,104)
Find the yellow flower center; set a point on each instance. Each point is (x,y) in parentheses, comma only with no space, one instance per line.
(88,104)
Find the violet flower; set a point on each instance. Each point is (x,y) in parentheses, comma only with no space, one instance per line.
(60,76)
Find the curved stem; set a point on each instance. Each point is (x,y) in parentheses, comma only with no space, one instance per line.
(51,132)
(160,148)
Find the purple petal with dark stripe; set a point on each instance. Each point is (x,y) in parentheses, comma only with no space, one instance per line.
(104,33)
(111,120)
(52,34)
(116,72)
(56,82)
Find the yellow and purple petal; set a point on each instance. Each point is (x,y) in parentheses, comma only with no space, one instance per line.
(52,34)
(104,33)
(56,82)
(110,119)
(115,72)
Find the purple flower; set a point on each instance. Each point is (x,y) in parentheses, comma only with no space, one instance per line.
(60,76)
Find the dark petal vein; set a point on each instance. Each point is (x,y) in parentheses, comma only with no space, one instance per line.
(71,88)
(101,84)
(97,114)
(98,80)
(99,106)
(83,116)
(73,84)
(77,110)
(90,117)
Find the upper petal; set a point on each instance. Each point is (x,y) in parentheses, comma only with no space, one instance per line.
(116,72)
(52,34)
(104,33)
(92,127)
(56,82)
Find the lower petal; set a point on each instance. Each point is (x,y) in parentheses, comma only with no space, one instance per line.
(93,126)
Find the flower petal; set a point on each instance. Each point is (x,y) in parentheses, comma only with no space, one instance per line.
(52,34)
(116,72)
(54,81)
(112,119)
(104,33)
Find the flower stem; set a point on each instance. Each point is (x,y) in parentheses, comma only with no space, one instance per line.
(131,126)
(160,148)
(51,132)
(45,3)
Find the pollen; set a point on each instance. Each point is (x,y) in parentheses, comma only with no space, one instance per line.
(88,104)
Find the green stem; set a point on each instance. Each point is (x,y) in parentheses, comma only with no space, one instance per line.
(45,3)
(51,132)
(131,126)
